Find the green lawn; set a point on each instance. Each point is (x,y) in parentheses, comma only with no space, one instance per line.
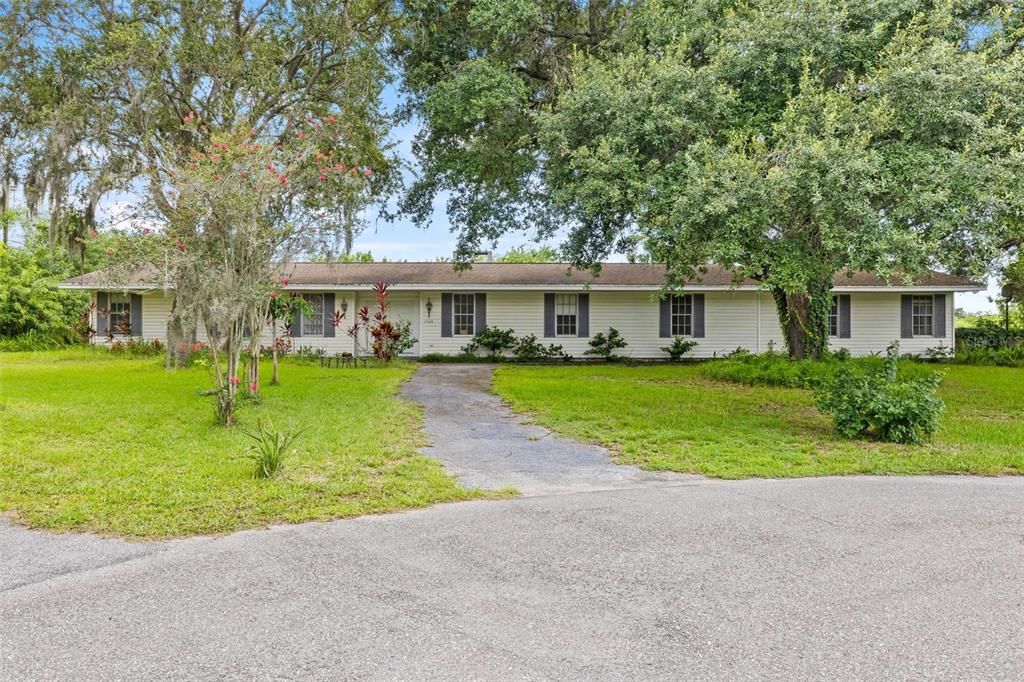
(669,417)
(114,446)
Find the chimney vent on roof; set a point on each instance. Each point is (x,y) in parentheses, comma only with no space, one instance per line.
(478,256)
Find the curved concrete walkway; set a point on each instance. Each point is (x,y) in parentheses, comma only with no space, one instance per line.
(486,445)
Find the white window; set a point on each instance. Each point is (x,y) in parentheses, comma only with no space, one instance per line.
(463,314)
(313,322)
(682,315)
(924,315)
(566,306)
(833,317)
(120,320)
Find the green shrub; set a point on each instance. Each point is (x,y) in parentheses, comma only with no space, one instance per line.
(36,340)
(679,348)
(405,340)
(776,369)
(605,346)
(988,334)
(270,449)
(493,339)
(529,349)
(29,298)
(445,357)
(878,402)
(137,348)
(310,353)
(1008,356)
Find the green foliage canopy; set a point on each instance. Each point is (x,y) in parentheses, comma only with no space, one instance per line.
(29,298)
(793,140)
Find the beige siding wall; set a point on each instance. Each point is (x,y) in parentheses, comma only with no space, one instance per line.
(732,319)
(874,324)
(156,308)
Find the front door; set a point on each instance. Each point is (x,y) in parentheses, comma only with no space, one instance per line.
(402,307)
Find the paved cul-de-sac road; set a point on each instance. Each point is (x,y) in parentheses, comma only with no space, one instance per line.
(596,572)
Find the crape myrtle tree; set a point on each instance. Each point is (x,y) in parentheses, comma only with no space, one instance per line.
(791,141)
(230,216)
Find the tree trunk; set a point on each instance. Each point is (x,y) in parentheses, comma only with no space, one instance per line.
(803,316)
(349,239)
(179,336)
(175,337)
(254,356)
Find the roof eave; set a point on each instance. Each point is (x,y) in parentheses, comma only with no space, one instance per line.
(964,288)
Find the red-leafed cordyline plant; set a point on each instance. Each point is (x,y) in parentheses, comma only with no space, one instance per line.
(361,324)
(109,331)
(384,333)
(83,326)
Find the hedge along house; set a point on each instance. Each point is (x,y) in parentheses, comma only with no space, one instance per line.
(558,305)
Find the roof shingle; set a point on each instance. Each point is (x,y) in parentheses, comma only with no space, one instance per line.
(522,274)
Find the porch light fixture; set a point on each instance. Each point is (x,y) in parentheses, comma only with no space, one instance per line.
(430,306)
(344,306)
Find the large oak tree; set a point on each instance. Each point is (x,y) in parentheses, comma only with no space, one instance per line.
(790,140)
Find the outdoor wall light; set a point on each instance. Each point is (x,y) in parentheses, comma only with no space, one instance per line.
(430,306)
(344,306)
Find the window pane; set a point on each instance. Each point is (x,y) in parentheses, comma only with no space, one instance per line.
(682,315)
(313,324)
(463,314)
(923,311)
(833,317)
(120,308)
(565,314)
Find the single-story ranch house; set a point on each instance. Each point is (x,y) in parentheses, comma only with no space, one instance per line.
(567,307)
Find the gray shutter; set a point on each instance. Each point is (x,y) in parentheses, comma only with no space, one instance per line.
(665,317)
(136,315)
(328,315)
(446,315)
(102,321)
(698,315)
(479,313)
(939,316)
(906,317)
(844,316)
(549,315)
(296,328)
(583,316)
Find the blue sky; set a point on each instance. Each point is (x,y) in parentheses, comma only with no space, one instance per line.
(401,240)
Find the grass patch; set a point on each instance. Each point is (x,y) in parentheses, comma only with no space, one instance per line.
(116,446)
(674,418)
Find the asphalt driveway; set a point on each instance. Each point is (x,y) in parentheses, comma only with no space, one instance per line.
(862,578)
(625,578)
(486,445)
